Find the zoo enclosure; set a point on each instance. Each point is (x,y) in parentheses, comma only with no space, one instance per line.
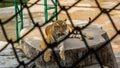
(62,8)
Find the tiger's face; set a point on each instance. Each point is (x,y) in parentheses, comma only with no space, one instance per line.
(60,27)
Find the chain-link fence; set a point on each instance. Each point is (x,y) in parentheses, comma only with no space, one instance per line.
(64,9)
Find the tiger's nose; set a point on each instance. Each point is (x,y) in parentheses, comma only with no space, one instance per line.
(61,29)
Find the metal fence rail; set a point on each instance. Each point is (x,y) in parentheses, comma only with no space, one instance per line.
(62,8)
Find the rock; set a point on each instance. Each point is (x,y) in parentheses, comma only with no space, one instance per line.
(74,49)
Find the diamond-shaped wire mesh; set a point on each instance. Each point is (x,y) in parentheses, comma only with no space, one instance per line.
(62,9)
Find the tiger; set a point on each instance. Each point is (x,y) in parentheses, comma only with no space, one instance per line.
(55,32)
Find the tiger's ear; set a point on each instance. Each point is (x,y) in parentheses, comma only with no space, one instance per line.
(52,20)
(65,20)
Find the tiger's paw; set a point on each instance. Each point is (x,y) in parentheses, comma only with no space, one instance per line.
(47,56)
(88,36)
(81,39)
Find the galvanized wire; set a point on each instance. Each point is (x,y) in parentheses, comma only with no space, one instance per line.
(62,8)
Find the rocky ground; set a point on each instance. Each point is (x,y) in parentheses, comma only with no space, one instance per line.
(7,56)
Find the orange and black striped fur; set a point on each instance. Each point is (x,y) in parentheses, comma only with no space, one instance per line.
(55,32)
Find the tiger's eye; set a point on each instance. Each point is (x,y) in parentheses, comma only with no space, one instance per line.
(64,26)
(57,26)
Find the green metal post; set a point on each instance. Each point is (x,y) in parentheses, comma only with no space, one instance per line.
(21,15)
(55,9)
(46,8)
(17,20)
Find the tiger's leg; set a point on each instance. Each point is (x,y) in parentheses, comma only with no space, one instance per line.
(62,51)
(47,53)
(87,35)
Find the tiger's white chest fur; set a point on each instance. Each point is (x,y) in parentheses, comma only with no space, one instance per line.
(59,37)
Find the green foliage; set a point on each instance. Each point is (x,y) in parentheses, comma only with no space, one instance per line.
(7,3)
